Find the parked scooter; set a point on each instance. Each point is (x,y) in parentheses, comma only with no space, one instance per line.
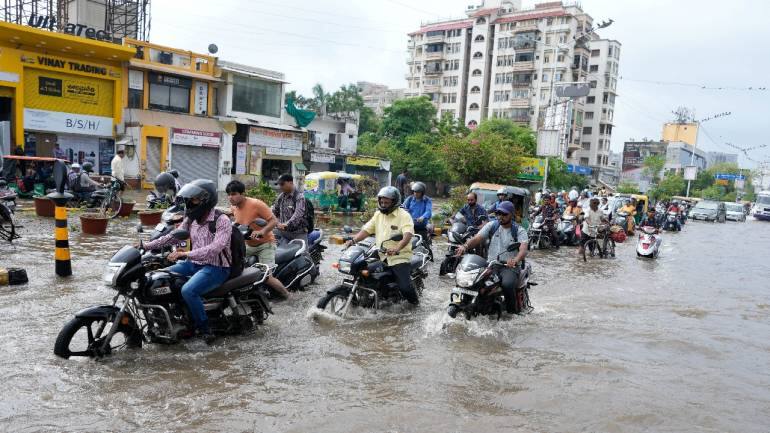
(316,246)
(458,234)
(648,243)
(478,291)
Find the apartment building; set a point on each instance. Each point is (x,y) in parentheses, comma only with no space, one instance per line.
(378,96)
(504,61)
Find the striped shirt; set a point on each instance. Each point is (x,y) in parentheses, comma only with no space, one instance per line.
(207,248)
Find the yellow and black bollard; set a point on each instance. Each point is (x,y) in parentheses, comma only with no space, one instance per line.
(61,234)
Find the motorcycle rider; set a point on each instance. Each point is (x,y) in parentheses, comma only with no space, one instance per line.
(501,234)
(550,211)
(390,220)
(650,220)
(501,197)
(474,213)
(630,209)
(420,207)
(573,209)
(678,211)
(573,193)
(208,261)
(166,186)
(174,172)
(84,186)
(261,243)
(290,210)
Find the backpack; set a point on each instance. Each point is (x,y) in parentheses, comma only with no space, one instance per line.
(309,215)
(237,246)
(496,225)
(74,183)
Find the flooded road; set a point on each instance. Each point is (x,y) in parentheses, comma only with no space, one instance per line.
(623,345)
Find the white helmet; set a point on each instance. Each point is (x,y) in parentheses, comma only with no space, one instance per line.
(75,166)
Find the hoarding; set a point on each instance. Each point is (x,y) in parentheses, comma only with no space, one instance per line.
(531,169)
(548,142)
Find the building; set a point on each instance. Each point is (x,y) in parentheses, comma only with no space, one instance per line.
(680,155)
(634,154)
(504,61)
(63,89)
(263,144)
(168,122)
(683,132)
(378,96)
(715,158)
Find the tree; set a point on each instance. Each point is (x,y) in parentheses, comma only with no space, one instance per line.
(299,101)
(425,161)
(653,165)
(683,114)
(560,179)
(521,135)
(671,185)
(407,116)
(482,157)
(627,187)
(448,125)
(367,121)
(346,101)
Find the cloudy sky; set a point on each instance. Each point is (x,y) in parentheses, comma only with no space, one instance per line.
(671,50)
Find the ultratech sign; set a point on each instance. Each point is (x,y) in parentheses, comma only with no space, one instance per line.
(72,66)
(49,22)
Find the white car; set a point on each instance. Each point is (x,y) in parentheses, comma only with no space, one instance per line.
(735,212)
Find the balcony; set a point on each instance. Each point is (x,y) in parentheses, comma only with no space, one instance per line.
(525,28)
(520,119)
(574,146)
(521,83)
(432,88)
(433,39)
(433,55)
(524,46)
(433,71)
(524,66)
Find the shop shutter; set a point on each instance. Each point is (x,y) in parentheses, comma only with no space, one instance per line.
(153,159)
(195,162)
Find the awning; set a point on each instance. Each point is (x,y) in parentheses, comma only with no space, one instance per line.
(171,120)
(300,166)
(140,64)
(253,122)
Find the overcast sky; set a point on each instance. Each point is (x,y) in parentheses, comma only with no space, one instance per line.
(334,42)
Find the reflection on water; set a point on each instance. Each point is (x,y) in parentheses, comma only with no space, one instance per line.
(677,344)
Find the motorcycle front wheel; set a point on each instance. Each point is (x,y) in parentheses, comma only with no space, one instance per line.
(334,301)
(84,336)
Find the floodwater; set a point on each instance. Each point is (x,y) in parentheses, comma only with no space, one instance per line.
(622,345)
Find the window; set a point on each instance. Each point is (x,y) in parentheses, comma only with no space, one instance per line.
(586,145)
(453,48)
(450,81)
(546,59)
(135,89)
(587,130)
(502,96)
(170,93)
(435,33)
(589,115)
(592,84)
(452,65)
(591,100)
(520,93)
(594,68)
(481,21)
(549,22)
(448,98)
(474,106)
(256,96)
(595,53)
(545,78)
(563,39)
(525,57)
(559,76)
(476,73)
(479,38)
(450,113)
(548,40)
(475,89)
(560,58)
(477,55)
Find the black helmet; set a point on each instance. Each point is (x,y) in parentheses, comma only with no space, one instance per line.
(3,183)
(203,190)
(165,182)
(174,172)
(88,167)
(418,187)
(392,193)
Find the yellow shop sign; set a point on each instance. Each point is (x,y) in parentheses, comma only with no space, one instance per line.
(56,91)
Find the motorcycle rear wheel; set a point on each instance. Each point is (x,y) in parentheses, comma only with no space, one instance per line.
(95,328)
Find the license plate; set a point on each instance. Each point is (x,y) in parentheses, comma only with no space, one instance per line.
(464,291)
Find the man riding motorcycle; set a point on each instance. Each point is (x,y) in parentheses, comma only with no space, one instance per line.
(573,209)
(550,211)
(209,260)
(390,220)
(420,207)
(80,182)
(501,197)
(501,234)
(474,213)
(630,209)
(650,220)
(675,208)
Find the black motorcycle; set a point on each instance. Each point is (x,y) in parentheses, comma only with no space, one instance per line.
(294,265)
(459,233)
(478,291)
(148,307)
(368,280)
(7,221)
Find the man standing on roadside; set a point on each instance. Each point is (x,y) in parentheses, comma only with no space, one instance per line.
(289,208)
(118,167)
(402,180)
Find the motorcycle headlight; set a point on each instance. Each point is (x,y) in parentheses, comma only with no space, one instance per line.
(110,275)
(345,267)
(466,278)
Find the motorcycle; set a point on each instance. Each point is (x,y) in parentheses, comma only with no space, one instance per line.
(459,233)
(294,265)
(478,289)
(368,280)
(672,222)
(316,248)
(7,221)
(156,200)
(538,237)
(567,231)
(148,307)
(648,243)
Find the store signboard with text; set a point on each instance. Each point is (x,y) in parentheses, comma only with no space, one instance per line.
(276,142)
(531,169)
(67,93)
(192,137)
(55,121)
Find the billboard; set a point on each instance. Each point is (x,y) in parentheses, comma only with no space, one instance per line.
(635,152)
(531,169)
(548,142)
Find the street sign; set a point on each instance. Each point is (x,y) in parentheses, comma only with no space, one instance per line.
(723,182)
(548,142)
(579,169)
(691,172)
(729,176)
(573,91)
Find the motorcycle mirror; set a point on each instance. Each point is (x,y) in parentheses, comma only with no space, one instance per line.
(180,234)
(260,222)
(347,229)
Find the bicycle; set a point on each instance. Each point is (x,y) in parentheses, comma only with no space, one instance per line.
(7,222)
(601,244)
(111,201)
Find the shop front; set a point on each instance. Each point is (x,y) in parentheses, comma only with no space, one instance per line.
(195,154)
(372,167)
(61,93)
(273,152)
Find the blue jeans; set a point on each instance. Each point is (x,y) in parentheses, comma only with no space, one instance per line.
(204,278)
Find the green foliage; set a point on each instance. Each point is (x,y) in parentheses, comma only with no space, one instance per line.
(483,157)
(653,165)
(424,159)
(521,135)
(560,179)
(407,116)
(346,101)
(627,187)
(262,191)
(671,185)
(448,125)
(368,122)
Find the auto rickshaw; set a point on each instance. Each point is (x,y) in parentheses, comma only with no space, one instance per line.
(487,196)
(642,203)
(321,188)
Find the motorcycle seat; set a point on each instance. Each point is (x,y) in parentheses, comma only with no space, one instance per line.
(284,254)
(10,197)
(249,276)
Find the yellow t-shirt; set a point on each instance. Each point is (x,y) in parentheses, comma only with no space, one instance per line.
(383,227)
